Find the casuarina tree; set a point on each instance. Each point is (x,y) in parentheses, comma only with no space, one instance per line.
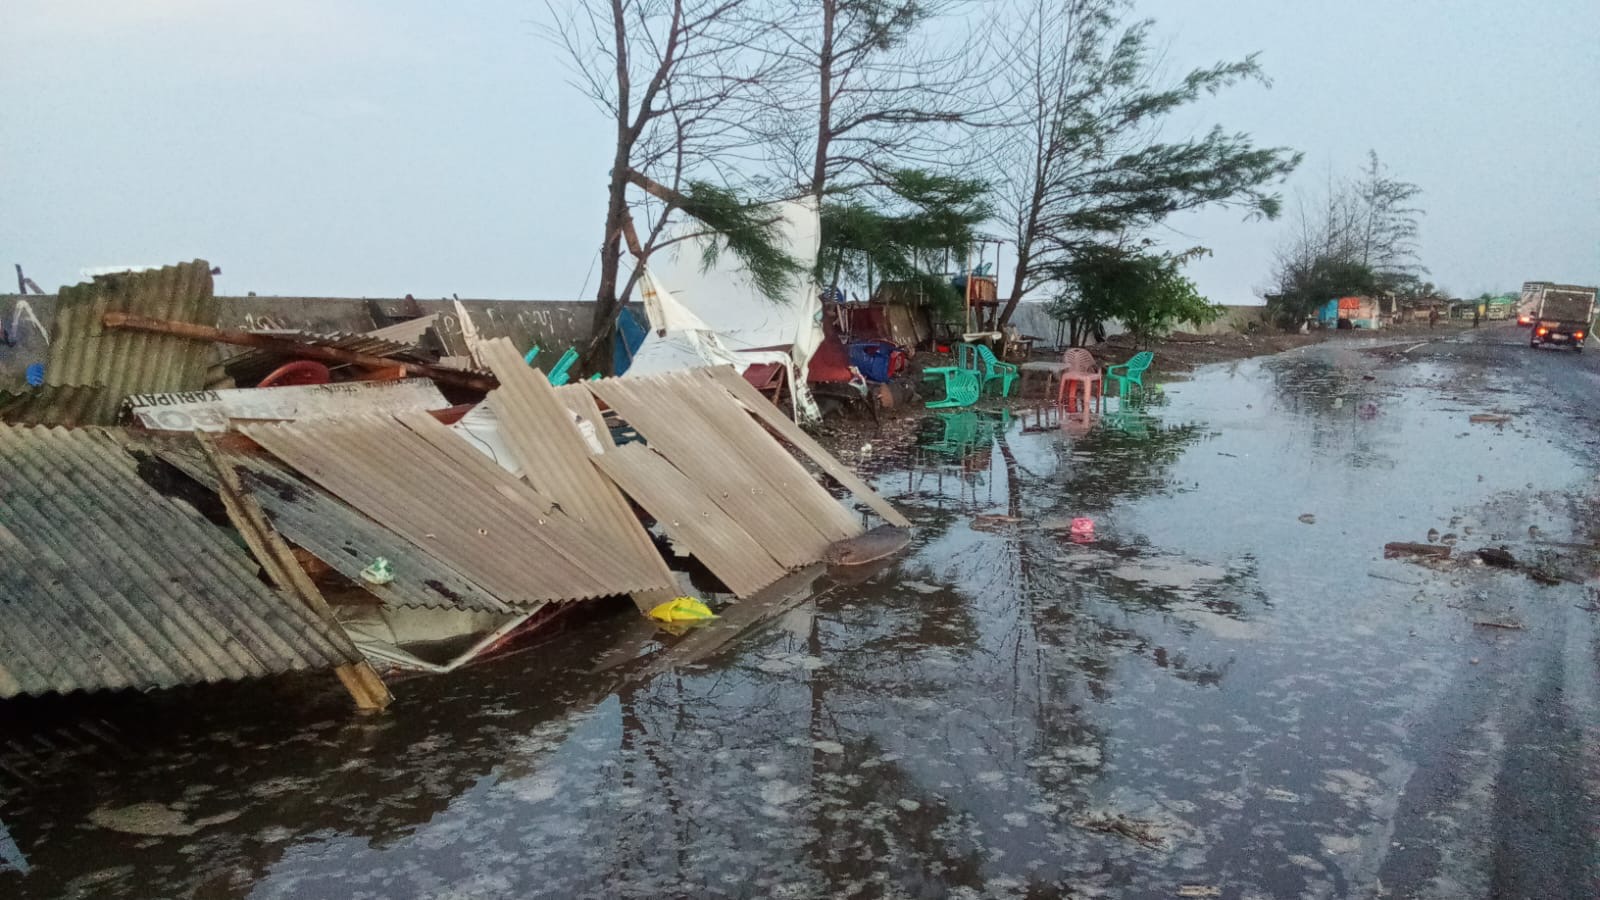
(1091,159)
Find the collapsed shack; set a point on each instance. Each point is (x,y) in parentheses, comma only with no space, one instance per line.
(414,523)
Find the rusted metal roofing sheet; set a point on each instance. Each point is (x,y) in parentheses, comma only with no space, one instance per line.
(763,409)
(555,458)
(333,532)
(106,584)
(60,404)
(84,351)
(747,482)
(691,518)
(424,482)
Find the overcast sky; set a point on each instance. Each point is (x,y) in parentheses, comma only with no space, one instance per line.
(319,147)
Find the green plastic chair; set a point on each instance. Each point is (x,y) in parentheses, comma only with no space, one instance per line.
(561,373)
(995,370)
(1130,373)
(961,386)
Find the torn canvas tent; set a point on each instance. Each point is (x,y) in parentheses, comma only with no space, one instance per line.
(715,315)
(107,584)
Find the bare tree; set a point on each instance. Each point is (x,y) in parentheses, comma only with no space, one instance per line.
(870,90)
(1087,161)
(677,78)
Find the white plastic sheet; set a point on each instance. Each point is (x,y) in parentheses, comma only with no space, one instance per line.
(716,316)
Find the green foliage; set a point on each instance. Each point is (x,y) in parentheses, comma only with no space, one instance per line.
(1306,285)
(1361,240)
(1090,160)
(748,231)
(1147,292)
(898,234)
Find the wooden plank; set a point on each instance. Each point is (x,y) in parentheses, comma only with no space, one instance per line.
(805,443)
(366,687)
(692,518)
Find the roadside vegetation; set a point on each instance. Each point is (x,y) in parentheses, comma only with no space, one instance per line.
(1360,238)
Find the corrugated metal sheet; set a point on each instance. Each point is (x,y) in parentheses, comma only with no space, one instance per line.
(555,458)
(423,481)
(106,584)
(761,408)
(408,332)
(130,362)
(333,532)
(747,475)
(60,404)
(692,518)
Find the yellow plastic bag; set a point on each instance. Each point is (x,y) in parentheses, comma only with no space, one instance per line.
(682,610)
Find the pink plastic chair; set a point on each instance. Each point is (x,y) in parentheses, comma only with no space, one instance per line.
(1081,371)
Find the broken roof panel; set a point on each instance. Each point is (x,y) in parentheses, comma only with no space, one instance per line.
(106,584)
(748,475)
(341,537)
(410,331)
(692,518)
(540,430)
(423,481)
(84,351)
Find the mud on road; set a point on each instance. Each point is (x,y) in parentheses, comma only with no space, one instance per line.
(1227,691)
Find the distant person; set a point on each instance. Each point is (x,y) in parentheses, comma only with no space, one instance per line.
(1433,316)
(1475,314)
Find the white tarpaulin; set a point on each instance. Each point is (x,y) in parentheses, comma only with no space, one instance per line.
(716,316)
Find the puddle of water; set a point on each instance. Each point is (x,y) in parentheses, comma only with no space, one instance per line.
(1211,692)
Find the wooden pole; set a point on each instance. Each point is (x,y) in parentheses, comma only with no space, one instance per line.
(291,347)
(270,549)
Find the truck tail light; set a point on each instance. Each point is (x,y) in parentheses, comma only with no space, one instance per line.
(1543,332)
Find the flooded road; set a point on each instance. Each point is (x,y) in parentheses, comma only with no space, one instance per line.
(1226,691)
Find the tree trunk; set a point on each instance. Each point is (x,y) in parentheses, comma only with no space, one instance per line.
(1018,278)
(819,164)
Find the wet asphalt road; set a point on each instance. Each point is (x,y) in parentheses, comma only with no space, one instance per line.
(1227,692)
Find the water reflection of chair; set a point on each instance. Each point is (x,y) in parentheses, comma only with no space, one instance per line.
(960,433)
(964,432)
(1130,420)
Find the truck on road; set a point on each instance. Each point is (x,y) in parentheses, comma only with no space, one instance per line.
(1562,315)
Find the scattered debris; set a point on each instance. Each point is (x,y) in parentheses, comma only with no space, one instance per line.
(1200,890)
(1508,626)
(1136,830)
(681,610)
(1308,518)
(879,543)
(1402,548)
(1395,580)
(1498,557)
(1488,419)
